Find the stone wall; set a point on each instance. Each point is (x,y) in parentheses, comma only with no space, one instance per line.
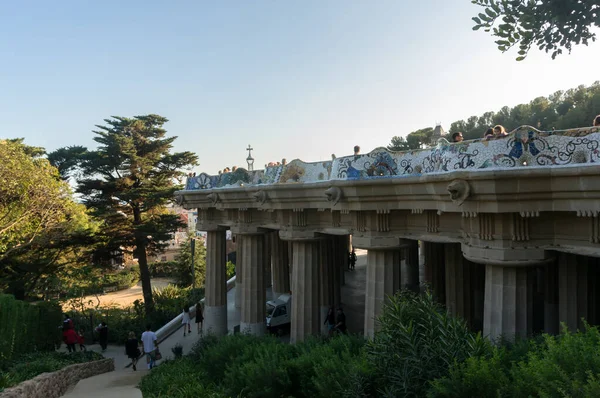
(55,384)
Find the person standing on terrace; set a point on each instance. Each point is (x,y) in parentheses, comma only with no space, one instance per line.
(499,131)
(457,137)
(489,134)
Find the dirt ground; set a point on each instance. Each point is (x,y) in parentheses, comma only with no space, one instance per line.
(123,298)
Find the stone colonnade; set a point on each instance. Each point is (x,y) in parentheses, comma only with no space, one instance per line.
(498,300)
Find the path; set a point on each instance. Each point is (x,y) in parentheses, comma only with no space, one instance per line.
(123,381)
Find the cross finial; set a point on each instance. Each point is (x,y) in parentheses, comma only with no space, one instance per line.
(250,159)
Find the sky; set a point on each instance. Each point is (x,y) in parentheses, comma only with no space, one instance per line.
(294,79)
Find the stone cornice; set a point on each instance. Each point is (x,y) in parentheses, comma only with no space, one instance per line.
(570,188)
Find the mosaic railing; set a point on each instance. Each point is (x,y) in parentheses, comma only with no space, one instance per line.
(523,147)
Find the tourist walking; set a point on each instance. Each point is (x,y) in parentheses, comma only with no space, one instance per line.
(150,345)
(341,321)
(70,339)
(352,260)
(199,317)
(185,320)
(131,349)
(330,321)
(102,330)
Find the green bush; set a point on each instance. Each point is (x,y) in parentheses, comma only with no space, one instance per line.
(163,269)
(26,327)
(230,272)
(418,341)
(249,366)
(168,303)
(123,279)
(553,366)
(30,365)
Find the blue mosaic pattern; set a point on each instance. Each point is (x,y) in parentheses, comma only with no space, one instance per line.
(523,147)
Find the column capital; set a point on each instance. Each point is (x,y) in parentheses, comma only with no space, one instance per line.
(380,243)
(248,230)
(508,257)
(299,235)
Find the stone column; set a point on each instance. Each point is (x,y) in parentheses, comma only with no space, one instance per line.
(290,258)
(305,290)
(478,294)
(281,265)
(383,280)
(326,291)
(434,269)
(337,272)
(215,308)
(239,272)
(508,302)
(458,282)
(268,259)
(572,290)
(410,267)
(551,299)
(252,317)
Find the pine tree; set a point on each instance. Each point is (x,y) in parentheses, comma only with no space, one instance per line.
(127,182)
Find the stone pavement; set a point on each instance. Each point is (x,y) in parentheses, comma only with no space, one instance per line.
(123,381)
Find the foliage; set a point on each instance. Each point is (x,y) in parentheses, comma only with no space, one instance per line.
(127,182)
(555,366)
(561,110)
(41,227)
(163,268)
(26,327)
(230,270)
(419,137)
(169,302)
(550,25)
(183,271)
(177,350)
(418,341)
(88,280)
(31,365)
(250,366)
(398,144)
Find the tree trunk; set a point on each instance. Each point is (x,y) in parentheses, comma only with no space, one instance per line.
(140,248)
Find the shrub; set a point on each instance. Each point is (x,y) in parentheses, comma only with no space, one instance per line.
(26,327)
(230,272)
(169,303)
(250,366)
(30,365)
(183,379)
(163,268)
(553,366)
(418,342)
(177,350)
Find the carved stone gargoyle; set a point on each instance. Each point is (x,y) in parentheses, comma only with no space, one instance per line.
(459,191)
(334,194)
(213,197)
(261,197)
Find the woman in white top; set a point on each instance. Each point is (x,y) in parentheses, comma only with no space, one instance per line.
(185,320)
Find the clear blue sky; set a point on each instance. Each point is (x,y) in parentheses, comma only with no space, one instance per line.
(296,79)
